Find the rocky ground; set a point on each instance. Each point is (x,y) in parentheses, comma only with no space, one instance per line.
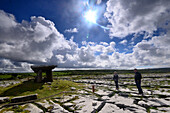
(106,99)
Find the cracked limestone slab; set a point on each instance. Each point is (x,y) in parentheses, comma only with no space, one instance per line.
(111,108)
(161,101)
(45,104)
(149,103)
(33,109)
(86,105)
(167,109)
(57,108)
(103,92)
(126,102)
(155,111)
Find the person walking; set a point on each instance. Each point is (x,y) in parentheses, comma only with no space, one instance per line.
(115,78)
(138,78)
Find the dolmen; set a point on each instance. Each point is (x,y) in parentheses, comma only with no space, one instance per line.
(40,69)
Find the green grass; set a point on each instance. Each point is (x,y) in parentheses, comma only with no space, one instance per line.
(17,109)
(43,90)
(5,77)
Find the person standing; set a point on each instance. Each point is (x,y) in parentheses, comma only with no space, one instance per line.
(138,78)
(115,78)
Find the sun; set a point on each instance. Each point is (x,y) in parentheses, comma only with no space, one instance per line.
(91,16)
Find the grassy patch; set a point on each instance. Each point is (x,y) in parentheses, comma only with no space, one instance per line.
(16,109)
(5,77)
(43,90)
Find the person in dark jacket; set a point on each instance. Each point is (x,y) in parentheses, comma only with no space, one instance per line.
(138,78)
(115,78)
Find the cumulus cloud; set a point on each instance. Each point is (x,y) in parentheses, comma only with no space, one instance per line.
(39,42)
(134,16)
(32,41)
(124,42)
(7,65)
(154,52)
(74,30)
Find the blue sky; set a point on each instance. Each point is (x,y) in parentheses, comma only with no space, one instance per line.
(125,34)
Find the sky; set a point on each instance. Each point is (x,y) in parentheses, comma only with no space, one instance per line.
(104,34)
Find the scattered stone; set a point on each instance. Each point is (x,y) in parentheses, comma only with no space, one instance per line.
(15,107)
(49,83)
(154,111)
(94,103)
(68,104)
(123,94)
(86,106)
(105,98)
(103,92)
(143,104)
(100,107)
(83,92)
(73,88)
(57,108)
(165,109)
(110,108)
(4,99)
(111,94)
(66,98)
(45,104)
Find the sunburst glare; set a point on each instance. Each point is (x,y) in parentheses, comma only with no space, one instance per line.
(91,16)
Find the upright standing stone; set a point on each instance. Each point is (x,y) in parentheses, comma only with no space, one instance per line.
(49,76)
(39,76)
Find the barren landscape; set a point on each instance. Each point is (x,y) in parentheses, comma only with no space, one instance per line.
(75,93)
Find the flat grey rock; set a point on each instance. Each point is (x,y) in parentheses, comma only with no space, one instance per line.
(103,92)
(45,104)
(33,108)
(167,109)
(86,105)
(57,108)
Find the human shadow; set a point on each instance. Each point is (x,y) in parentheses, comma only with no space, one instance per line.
(21,88)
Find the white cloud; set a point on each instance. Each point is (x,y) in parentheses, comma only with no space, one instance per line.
(99,1)
(74,30)
(28,41)
(104,43)
(33,41)
(134,16)
(39,42)
(7,65)
(124,42)
(154,52)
